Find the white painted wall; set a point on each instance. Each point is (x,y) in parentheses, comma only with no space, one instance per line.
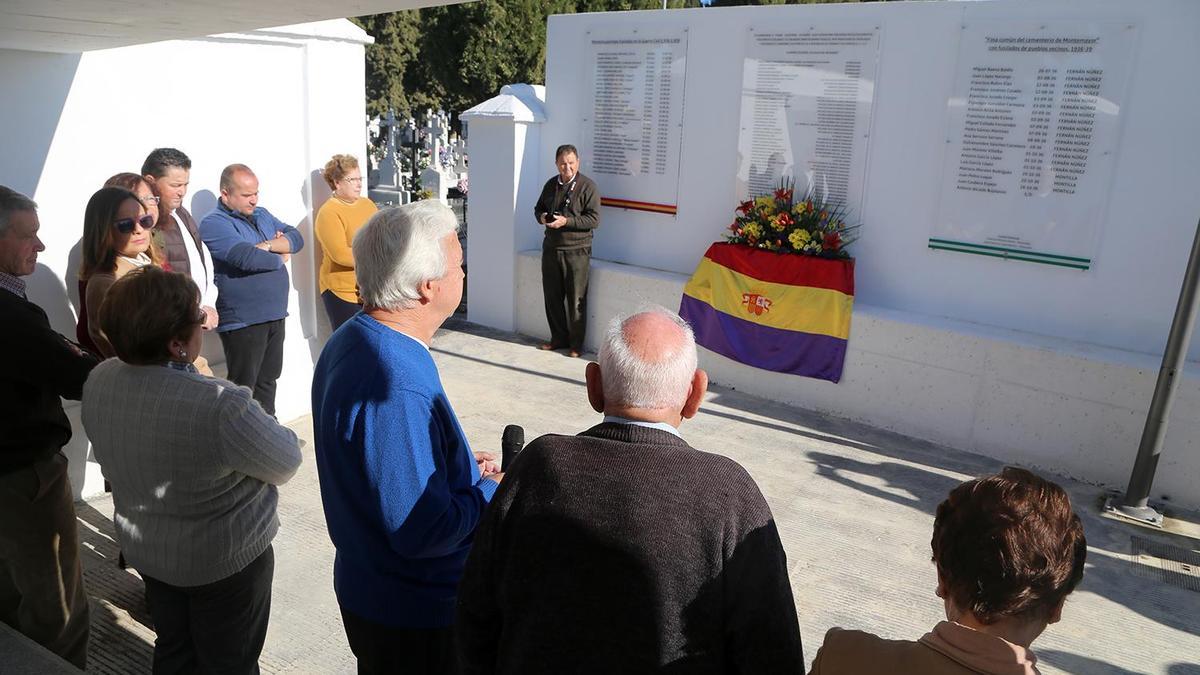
(1027,363)
(1125,302)
(1057,404)
(279,100)
(505,138)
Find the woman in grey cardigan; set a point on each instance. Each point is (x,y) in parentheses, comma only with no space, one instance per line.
(194,463)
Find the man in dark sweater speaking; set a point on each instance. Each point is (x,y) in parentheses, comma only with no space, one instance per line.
(623,549)
(569,207)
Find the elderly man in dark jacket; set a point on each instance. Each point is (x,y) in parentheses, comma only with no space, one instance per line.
(569,207)
(41,584)
(623,549)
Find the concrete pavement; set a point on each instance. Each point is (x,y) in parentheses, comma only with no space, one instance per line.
(854,506)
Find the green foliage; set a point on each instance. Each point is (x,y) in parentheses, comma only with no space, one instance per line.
(736,3)
(456,56)
(395,47)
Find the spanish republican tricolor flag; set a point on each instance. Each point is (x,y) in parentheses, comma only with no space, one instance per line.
(780,312)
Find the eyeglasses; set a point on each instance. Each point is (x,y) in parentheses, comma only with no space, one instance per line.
(125,225)
(151,199)
(353,180)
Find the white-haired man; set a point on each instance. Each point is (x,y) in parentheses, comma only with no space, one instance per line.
(402,490)
(625,549)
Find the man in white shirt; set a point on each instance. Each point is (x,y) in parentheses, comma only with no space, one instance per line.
(168,170)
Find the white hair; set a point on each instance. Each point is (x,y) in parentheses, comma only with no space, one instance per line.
(398,250)
(629,380)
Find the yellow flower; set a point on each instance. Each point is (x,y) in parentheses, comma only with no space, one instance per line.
(775,224)
(753,230)
(799,238)
(765,202)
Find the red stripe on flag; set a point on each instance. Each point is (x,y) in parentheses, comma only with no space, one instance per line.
(781,268)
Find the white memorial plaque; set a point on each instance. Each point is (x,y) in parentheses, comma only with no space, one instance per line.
(1033,132)
(807,92)
(635,122)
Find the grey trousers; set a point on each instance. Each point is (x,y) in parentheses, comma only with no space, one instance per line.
(564,289)
(41,581)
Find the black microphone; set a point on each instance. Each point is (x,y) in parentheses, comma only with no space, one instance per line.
(510,444)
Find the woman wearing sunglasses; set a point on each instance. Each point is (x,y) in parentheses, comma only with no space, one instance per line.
(142,189)
(116,240)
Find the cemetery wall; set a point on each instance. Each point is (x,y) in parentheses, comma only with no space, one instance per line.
(1049,366)
(281,101)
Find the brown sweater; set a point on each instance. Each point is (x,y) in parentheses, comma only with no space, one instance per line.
(579,201)
(949,649)
(624,550)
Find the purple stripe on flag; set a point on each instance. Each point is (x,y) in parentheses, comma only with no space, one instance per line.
(783,351)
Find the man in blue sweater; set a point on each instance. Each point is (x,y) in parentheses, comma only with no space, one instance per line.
(249,248)
(402,491)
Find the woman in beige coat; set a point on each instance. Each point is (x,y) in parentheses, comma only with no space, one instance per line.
(116,240)
(1008,550)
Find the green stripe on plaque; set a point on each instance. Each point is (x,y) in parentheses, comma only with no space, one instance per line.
(1011,254)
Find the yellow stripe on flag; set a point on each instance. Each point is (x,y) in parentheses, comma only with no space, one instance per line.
(800,308)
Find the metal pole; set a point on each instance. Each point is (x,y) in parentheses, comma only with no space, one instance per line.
(1137,495)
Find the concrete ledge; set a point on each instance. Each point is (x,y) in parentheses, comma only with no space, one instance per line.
(23,656)
(1066,406)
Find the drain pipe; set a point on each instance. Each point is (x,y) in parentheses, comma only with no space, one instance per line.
(1135,503)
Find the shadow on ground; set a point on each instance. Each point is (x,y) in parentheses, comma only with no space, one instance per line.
(902,484)
(1082,665)
(122,636)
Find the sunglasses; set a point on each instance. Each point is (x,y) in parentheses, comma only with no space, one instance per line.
(125,225)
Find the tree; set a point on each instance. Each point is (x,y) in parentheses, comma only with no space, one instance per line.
(395,47)
(455,56)
(737,3)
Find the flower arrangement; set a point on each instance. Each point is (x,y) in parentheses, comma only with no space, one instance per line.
(777,222)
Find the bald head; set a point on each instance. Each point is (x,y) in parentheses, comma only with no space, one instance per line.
(239,189)
(653,337)
(648,361)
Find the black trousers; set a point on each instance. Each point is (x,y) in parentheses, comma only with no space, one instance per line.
(383,650)
(214,628)
(564,288)
(338,310)
(254,359)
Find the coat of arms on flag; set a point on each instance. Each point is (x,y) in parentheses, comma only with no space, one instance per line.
(782,312)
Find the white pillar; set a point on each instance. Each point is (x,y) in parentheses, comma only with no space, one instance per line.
(503,143)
